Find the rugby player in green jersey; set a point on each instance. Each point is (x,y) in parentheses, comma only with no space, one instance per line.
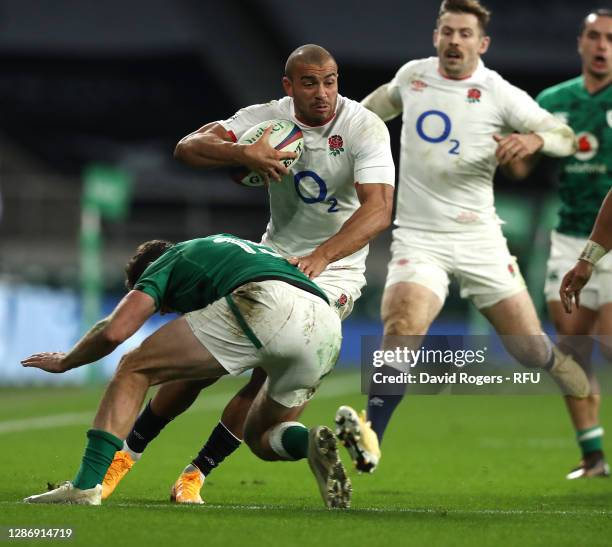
(598,246)
(329,244)
(585,104)
(242,306)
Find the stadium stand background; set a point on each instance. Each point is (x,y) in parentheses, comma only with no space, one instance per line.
(120,82)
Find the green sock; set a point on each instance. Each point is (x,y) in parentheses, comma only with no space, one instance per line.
(99,454)
(295,441)
(590,439)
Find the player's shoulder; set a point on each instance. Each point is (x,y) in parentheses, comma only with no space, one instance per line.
(502,87)
(357,117)
(561,91)
(276,108)
(416,67)
(494,78)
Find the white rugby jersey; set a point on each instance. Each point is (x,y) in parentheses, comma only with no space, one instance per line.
(312,203)
(447,158)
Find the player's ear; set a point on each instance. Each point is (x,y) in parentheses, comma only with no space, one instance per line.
(484,45)
(435,38)
(287,86)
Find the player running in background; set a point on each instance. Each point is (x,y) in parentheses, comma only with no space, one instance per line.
(596,248)
(459,123)
(336,198)
(585,103)
(243,306)
(595,251)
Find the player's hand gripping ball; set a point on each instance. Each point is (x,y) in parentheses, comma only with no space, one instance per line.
(285,137)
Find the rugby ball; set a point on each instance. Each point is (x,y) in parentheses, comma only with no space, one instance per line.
(285,136)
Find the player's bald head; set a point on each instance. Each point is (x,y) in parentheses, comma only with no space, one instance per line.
(309,54)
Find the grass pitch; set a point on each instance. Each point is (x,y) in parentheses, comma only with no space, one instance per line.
(456,470)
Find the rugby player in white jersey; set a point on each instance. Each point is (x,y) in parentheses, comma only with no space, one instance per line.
(323,213)
(460,121)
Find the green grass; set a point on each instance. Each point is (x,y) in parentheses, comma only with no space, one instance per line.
(456,470)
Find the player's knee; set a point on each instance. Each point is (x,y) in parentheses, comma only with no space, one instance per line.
(400,324)
(131,363)
(529,351)
(253,439)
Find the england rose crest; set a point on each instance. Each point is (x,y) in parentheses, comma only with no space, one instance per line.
(341,301)
(473,95)
(335,144)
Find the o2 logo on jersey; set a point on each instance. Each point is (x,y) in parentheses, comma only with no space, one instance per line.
(311,188)
(435,126)
(588,145)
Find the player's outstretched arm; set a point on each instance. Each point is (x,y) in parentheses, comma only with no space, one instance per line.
(212,146)
(598,245)
(371,218)
(129,315)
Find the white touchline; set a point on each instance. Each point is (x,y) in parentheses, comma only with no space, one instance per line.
(343,384)
(416,510)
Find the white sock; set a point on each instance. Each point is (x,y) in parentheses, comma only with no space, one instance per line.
(134,455)
(191,468)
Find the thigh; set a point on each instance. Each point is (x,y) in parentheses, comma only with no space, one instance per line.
(580,322)
(174,353)
(514,315)
(574,331)
(517,323)
(409,309)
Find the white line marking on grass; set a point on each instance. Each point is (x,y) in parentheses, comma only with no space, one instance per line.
(404,510)
(344,384)
(44,422)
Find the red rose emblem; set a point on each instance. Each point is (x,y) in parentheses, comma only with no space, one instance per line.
(474,94)
(341,301)
(335,142)
(336,145)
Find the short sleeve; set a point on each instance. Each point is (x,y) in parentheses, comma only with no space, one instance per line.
(372,150)
(247,117)
(155,279)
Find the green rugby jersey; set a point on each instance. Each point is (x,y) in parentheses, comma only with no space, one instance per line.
(586,177)
(192,274)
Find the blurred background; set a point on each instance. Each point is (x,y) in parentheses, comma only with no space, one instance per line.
(94,96)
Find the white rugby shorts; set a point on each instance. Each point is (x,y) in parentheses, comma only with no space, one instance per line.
(292,334)
(564,252)
(343,287)
(480,261)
